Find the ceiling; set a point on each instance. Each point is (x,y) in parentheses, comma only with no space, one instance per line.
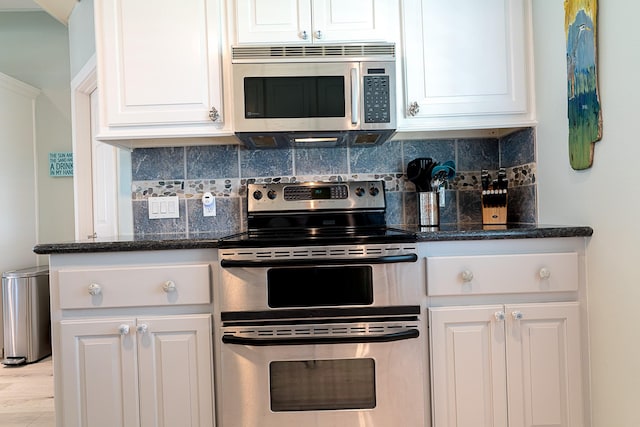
(59,9)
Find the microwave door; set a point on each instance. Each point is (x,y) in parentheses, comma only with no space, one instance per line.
(295,97)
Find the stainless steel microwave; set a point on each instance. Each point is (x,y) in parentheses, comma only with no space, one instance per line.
(320,95)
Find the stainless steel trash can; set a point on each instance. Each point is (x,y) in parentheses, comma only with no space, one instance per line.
(26,315)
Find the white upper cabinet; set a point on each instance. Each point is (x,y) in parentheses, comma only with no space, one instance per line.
(315,21)
(467,64)
(159,68)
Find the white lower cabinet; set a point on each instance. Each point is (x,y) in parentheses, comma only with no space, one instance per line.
(132,338)
(516,365)
(147,371)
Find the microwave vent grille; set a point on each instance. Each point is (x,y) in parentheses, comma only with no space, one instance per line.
(257,53)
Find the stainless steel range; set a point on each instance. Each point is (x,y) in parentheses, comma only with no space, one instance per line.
(319,313)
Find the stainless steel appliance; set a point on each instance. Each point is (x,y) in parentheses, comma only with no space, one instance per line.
(325,95)
(319,312)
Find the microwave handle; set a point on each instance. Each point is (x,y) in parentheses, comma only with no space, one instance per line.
(358,339)
(355,96)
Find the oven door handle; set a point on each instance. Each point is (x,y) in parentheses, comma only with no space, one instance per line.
(395,336)
(388,259)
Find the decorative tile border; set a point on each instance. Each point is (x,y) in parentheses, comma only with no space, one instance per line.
(517,176)
(237,187)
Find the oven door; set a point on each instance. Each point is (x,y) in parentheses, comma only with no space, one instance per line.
(275,382)
(296,281)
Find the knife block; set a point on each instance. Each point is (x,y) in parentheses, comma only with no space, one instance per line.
(494,207)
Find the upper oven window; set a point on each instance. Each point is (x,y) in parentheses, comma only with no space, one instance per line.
(319,286)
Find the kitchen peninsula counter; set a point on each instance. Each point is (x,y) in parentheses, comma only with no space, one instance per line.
(446,232)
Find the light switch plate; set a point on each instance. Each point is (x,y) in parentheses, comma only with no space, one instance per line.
(163,207)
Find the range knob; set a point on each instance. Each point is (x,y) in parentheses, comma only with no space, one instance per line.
(257,194)
(271,194)
(360,191)
(374,191)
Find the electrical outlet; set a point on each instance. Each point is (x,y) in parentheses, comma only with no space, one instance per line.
(208,205)
(441,198)
(163,207)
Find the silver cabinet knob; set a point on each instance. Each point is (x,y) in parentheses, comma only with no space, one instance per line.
(517,315)
(499,315)
(142,328)
(214,115)
(303,35)
(544,273)
(413,109)
(95,289)
(318,34)
(123,329)
(467,276)
(169,286)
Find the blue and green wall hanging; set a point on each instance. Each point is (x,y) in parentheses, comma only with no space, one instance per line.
(584,112)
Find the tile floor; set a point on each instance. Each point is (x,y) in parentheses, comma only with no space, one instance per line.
(26,395)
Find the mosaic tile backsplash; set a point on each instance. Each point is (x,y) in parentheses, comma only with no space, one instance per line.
(189,172)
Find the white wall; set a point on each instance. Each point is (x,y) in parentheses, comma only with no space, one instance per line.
(82,35)
(603,196)
(18,225)
(35,50)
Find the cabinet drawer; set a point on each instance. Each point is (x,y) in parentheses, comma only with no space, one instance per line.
(491,274)
(135,286)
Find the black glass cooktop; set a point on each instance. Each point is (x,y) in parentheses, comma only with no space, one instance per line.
(317,236)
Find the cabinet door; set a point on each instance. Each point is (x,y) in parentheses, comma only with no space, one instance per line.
(99,376)
(316,21)
(468,366)
(273,21)
(158,62)
(176,379)
(544,365)
(355,20)
(465,61)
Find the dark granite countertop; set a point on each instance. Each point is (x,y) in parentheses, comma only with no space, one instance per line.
(446,232)
(492,232)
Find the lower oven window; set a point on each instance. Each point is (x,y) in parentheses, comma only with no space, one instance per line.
(319,286)
(316,385)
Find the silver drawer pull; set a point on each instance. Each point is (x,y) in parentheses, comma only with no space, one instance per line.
(123,329)
(544,273)
(467,276)
(169,286)
(95,289)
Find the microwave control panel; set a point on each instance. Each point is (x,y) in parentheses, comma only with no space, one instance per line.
(377,105)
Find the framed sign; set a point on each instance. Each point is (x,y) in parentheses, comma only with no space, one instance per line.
(61,164)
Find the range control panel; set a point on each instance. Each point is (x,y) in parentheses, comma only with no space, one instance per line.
(313,196)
